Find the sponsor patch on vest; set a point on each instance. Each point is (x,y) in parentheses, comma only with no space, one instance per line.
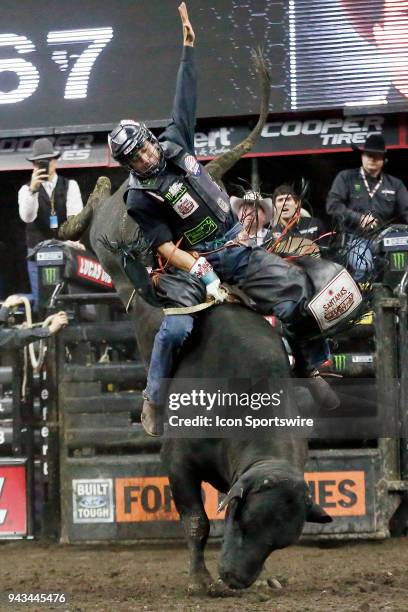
(357,187)
(192,165)
(336,301)
(175,191)
(388,191)
(201,231)
(185,206)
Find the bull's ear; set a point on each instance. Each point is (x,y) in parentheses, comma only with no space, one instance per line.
(237,490)
(316,514)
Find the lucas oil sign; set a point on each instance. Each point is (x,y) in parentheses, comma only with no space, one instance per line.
(91,270)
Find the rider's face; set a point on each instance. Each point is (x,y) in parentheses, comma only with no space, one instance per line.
(286,206)
(146,158)
(373,163)
(391,37)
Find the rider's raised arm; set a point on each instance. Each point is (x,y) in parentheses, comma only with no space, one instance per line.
(181,127)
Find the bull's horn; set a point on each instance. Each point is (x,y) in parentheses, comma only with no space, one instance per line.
(316,514)
(75,226)
(237,490)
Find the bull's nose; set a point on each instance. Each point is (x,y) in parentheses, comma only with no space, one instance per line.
(233,581)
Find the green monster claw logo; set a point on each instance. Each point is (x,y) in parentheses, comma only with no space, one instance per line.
(339,362)
(201,231)
(398,260)
(357,187)
(50,276)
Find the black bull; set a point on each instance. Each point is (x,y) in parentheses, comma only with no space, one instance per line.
(268,500)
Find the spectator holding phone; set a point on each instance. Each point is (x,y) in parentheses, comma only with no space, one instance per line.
(46,202)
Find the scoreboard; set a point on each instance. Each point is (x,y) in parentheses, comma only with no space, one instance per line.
(70,64)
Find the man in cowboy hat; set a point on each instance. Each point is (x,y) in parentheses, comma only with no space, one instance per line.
(364,198)
(45,202)
(254,212)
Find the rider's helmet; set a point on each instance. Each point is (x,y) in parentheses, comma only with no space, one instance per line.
(125,142)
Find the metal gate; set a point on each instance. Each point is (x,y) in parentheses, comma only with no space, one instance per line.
(113,486)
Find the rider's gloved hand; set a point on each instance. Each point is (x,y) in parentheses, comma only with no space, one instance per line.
(215,291)
(203,270)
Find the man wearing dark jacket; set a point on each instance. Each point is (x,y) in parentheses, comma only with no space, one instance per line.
(364,198)
(15,338)
(184,215)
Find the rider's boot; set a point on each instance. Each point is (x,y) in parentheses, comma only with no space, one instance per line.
(306,356)
(321,391)
(152,418)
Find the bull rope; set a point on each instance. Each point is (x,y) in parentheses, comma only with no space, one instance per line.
(36,361)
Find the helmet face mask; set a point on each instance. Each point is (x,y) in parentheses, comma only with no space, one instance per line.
(126,143)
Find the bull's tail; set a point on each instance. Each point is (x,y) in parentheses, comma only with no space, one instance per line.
(221,164)
(75,226)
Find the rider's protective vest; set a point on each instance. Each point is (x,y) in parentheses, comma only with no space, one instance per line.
(196,209)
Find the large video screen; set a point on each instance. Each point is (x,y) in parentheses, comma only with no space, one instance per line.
(349,53)
(89,63)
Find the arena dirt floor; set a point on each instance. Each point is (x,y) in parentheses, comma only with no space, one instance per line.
(360,576)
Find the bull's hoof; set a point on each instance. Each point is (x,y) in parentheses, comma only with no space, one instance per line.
(197,589)
(220,589)
(199,584)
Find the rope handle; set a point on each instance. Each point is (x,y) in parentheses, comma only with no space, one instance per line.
(36,361)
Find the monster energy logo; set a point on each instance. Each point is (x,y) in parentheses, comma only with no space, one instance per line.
(339,362)
(398,260)
(50,276)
